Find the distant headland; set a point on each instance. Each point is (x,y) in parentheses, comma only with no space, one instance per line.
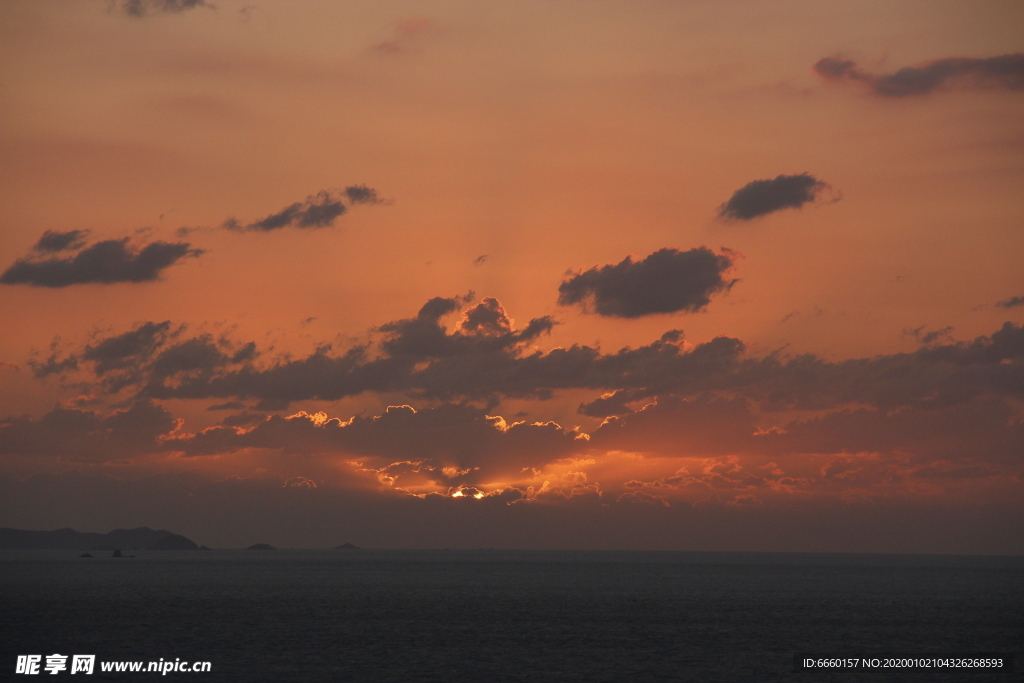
(142,538)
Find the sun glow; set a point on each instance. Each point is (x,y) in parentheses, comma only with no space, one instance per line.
(462,494)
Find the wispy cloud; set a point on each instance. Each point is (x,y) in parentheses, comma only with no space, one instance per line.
(1004,72)
(316,211)
(1012,302)
(145,8)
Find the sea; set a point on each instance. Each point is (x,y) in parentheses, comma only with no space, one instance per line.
(508,615)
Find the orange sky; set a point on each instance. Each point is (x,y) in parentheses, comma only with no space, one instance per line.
(513,146)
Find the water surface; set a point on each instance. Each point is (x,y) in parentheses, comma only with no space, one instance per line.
(492,615)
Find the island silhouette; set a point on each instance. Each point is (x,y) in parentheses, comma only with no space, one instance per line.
(142,538)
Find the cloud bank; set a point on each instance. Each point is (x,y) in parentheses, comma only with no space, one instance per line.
(482,356)
(672,425)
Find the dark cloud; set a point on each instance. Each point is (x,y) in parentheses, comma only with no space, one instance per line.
(982,430)
(832,69)
(243,419)
(943,415)
(149,352)
(484,357)
(413,355)
(199,354)
(53,366)
(488,317)
(932,376)
(760,197)
(513,373)
(317,211)
(143,8)
(54,363)
(83,435)
(1004,72)
(717,429)
(361,194)
(106,262)
(667,281)
(979,430)
(448,444)
(614,403)
(484,328)
(127,350)
(675,426)
(1012,302)
(931,337)
(59,241)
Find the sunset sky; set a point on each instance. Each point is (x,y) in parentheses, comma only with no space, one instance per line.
(659,274)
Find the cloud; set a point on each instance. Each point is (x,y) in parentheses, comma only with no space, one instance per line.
(316,211)
(83,435)
(614,403)
(127,350)
(933,375)
(760,197)
(243,419)
(667,281)
(448,444)
(120,360)
(676,426)
(54,364)
(106,262)
(198,356)
(1004,72)
(696,420)
(484,328)
(149,352)
(143,8)
(482,355)
(982,430)
(930,337)
(487,318)
(59,241)
(361,194)
(1012,302)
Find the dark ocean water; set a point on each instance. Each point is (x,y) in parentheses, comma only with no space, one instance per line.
(507,615)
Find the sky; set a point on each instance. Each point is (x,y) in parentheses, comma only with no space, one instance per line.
(664,274)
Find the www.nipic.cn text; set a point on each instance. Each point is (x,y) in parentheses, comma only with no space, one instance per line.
(86,664)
